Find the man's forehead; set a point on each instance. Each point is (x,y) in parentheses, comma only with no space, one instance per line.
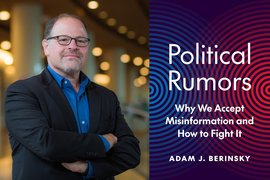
(69,24)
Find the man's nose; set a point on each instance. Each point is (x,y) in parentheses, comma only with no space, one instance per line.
(73,44)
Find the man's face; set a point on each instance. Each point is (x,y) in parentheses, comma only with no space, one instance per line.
(69,59)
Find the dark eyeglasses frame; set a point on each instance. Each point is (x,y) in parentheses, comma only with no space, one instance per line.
(75,39)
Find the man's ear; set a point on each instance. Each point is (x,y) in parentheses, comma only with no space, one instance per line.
(45,45)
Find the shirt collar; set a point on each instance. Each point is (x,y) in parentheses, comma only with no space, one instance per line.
(60,79)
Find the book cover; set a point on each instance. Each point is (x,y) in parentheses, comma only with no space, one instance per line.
(209,90)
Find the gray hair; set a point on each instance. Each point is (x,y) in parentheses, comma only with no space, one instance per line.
(50,24)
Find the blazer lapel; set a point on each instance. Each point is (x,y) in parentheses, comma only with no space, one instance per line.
(94,101)
(60,99)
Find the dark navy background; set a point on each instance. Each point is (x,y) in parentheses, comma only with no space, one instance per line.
(209,9)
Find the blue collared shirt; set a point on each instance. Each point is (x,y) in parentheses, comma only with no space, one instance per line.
(79,105)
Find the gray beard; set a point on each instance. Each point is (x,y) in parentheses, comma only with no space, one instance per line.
(72,70)
(79,62)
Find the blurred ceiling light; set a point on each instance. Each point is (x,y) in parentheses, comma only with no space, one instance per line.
(146,63)
(97,51)
(92,5)
(105,66)
(8,60)
(131,34)
(137,61)
(142,80)
(6,45)
(142,40)
(125,58)
(102,79)
(6,57)
(144,71)
(103,14)
(111,22)
(4,15)
(136,83)
(10,70)
(122,29)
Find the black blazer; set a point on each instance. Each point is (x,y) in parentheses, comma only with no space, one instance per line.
(43,131)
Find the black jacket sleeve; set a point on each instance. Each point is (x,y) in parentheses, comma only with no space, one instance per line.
(28,125)
(124,155)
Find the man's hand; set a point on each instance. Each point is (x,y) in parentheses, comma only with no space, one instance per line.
(111,139)
(78,166)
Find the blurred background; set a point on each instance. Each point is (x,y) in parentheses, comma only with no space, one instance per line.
(118,58)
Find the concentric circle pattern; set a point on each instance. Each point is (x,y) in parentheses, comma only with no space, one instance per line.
(240,29)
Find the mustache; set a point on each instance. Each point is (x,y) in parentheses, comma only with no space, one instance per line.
(71,52)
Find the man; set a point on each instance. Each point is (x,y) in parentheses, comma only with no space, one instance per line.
(61,125)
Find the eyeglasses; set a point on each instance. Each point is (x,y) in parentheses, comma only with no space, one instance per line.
(66,40)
